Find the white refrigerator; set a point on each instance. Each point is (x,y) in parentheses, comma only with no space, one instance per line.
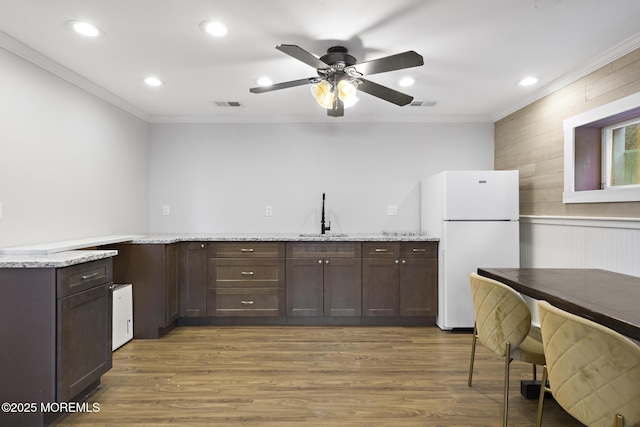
(475,214)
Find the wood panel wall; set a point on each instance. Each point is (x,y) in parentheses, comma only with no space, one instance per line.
(531,140)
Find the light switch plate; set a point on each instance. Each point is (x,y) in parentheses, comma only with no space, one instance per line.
(392,210)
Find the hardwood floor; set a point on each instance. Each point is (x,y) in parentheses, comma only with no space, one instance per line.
(309,376)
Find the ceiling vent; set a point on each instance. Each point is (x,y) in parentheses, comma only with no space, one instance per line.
(423,103)
(227,103)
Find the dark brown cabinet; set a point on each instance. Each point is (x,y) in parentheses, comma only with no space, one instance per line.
(193,279)
(246,279)
(153,271)
(323,279)
(399,279)
(57,343)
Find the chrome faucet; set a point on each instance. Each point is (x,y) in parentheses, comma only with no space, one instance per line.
(324,225)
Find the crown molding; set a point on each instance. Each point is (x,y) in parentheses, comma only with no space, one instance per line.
(25,52)
(607,57)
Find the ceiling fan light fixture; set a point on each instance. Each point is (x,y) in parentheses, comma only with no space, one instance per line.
(323,93)
(347,93)
(214,28)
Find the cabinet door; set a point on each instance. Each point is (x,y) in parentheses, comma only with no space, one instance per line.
(193,279)
(418,287)
(342,287)
(172,291)
(84,340)
(304,286)
(380,287)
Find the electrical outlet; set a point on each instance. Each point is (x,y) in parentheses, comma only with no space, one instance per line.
(0,211)
(166,210)
(268,211)
(392,210)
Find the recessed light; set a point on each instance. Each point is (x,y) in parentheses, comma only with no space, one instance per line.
(213,28)
(84,28)
(264,81)
(528,81)
(153,81)
(407,81)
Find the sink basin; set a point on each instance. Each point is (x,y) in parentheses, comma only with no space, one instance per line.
(326,236)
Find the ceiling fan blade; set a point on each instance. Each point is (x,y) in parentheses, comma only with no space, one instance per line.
(284,85)
(389,63)
(384,92)
(338,108)
(301,55)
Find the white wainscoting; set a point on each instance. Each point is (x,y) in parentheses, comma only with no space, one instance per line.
(581,242)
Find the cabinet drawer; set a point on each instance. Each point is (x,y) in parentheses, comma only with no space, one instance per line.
(80,277)
(244,273)
(249,302)
(419,249)
(380,250)
(324,250)
(248,250)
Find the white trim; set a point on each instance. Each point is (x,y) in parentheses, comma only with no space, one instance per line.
(23,51)
(616,52)
(611,194)
(583,221)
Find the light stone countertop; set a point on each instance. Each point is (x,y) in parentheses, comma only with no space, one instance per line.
(55,260)
(61,254)
(285,237)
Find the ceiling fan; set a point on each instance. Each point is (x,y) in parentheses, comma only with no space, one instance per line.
(340,75)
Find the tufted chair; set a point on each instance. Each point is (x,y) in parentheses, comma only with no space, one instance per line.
(593,372)
(503,325)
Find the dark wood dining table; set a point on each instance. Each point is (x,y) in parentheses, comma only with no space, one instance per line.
(608,298)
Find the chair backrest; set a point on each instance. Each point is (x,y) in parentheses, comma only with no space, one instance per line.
(594,372)
(502,315)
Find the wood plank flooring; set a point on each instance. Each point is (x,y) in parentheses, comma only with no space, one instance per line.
(309,376)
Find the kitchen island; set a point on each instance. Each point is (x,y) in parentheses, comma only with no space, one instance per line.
(287,279)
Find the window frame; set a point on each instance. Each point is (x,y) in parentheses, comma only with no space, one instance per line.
(607,153)
(608,114)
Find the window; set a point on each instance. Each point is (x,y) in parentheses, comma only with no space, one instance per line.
(620,143)
(602,158)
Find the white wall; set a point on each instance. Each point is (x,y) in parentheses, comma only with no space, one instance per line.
(71,164)
(220,177)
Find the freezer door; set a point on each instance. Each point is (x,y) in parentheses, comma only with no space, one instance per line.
(465,247)
(480,195)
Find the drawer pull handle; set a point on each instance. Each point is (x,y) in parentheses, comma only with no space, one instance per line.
(246,302)
(419,250)
(246,250)
(89,276)
(382,250)
(247,273)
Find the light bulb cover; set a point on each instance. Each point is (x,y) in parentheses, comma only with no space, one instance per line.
(323,93)
(214,28)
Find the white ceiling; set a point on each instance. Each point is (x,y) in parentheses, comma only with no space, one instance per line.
(474,52)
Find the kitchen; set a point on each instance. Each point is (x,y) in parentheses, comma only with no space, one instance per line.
(78,161)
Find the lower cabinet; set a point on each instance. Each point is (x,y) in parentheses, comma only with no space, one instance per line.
(297,282)
(323,279)
(246,279)
(400,279)
(57,341)
(153,270)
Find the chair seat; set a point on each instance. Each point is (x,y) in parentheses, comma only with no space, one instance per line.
(529,351)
